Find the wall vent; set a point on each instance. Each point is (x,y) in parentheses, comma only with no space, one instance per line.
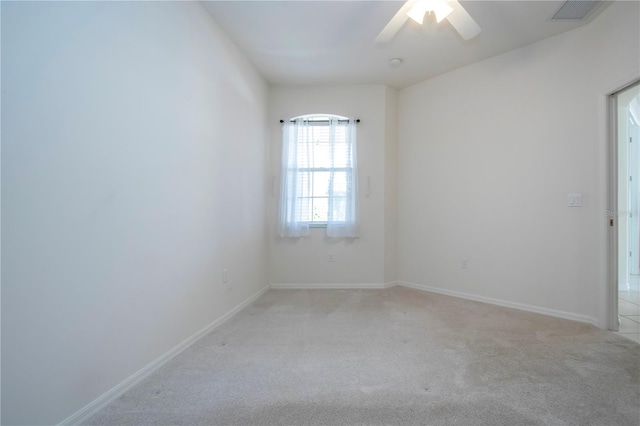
(576,10)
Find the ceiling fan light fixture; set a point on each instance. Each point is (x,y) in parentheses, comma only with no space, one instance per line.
(441,10)
(452,10)
(439,7)
(418,10)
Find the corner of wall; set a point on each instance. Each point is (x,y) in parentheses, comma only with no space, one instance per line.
(391,185)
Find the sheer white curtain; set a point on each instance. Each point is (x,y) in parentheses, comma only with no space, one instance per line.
(343,185)
(319,177)
(292,223)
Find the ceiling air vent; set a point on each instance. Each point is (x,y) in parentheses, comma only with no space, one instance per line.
(576,10)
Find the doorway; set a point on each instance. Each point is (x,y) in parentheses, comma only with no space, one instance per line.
(626,105)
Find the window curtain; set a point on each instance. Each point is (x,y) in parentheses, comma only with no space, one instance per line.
(290,221)
(343,186)
(342,215)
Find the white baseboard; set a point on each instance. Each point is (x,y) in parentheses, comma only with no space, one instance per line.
(515,305)
(330,286)
(111,395)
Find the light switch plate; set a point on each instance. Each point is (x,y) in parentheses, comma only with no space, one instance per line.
(574,200)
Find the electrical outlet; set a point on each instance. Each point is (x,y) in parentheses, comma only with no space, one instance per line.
(225,275)
(465,263)
(330,259)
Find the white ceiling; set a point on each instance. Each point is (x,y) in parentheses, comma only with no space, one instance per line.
(331,42)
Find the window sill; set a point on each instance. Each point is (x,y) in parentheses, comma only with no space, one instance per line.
(317,225)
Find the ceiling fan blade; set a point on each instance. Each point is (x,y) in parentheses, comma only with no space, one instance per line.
(394,25)
(462,21)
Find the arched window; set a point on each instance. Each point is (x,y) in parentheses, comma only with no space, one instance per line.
(319,178)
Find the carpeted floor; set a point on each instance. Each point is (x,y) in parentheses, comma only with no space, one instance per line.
(393,356)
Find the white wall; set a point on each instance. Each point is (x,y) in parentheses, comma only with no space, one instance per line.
(133,146)
(487,156)
(304,261)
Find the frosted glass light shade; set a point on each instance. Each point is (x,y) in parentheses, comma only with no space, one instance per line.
(439,7)
(418,10)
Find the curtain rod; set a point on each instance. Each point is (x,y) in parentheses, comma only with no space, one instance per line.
(323,121)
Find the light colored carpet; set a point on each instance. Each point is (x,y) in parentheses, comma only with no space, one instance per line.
(393,356)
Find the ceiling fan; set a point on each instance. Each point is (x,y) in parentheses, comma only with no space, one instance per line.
(443,9)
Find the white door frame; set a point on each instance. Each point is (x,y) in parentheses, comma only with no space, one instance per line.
(612,213)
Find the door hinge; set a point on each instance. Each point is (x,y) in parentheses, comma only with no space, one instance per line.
(630,254)
(630,178)
(610,222)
